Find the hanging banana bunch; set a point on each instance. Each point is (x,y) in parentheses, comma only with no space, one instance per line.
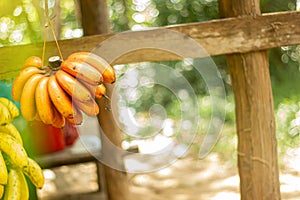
(14,162)
(62,90)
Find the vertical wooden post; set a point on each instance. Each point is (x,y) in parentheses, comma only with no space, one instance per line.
(116,181)
(257,145)
(95,20)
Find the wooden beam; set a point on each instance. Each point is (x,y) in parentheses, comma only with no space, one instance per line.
(223,36)
(257,145)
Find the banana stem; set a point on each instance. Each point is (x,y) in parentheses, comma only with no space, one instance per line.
(49,23)
(54,63)
(45,34)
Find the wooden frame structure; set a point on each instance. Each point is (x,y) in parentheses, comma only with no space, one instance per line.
(244,36)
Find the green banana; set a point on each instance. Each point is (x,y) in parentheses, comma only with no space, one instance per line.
(14,111)
(11,130)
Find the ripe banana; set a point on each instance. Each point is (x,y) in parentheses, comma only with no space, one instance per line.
(100,91)
(13,188)
(43,102)
(24,186)
(33,61)
(3,171)
(63,102)
(37,117)
(59,119)
(72,86)
(27,102)
(97,62)
(13,131)
(90,107)
(78,117)
(34,172)
(82,71)
(21,79)
(14,111)
(5,116)
(96,90)
(15,151)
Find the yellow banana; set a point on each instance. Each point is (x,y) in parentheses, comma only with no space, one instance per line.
(21,79)
(59,119)
(63,102)
(37,117)
(97,62)
(33,61)
(90,107)
(24,186)
(13,188)
(44,104)
(27,102)
(5,116)
(14,111)
(97,91)
(72,86)
(15,151)
(82,71)
(3,171)
(34,172)
(1,191)
(13,131)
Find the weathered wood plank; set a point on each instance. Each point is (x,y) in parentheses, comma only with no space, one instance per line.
(224,36)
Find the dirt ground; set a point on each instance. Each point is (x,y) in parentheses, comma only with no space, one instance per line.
(186,179)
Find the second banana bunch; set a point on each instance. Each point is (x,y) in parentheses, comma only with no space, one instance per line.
(14,162)
(63,89)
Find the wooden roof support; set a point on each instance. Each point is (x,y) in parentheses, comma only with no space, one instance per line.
(257,146)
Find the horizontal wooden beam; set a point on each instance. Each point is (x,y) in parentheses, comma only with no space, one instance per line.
(217,37)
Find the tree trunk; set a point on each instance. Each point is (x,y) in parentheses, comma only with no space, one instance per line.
(95,20)
(257,145)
